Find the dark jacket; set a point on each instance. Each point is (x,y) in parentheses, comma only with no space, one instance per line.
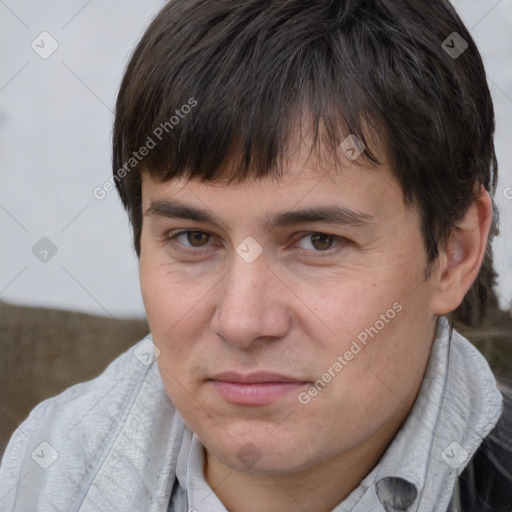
(485,485)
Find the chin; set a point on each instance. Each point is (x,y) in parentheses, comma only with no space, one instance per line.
(255,454)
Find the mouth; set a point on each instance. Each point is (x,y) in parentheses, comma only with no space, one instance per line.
(260,388)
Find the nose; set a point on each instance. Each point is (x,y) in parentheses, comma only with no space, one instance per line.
(251,304)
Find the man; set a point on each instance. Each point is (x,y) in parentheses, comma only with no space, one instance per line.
(309,185)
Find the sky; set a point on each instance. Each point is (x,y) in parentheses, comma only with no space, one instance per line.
(62,62)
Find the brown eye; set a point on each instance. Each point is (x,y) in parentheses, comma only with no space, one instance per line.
(321,242)
(316,243)
(197,238)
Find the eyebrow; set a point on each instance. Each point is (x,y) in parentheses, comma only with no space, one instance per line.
(335,215)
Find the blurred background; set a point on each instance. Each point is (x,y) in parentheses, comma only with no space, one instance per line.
(55,136)
(63,250)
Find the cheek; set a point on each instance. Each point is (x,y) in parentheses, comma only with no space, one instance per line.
(173,321)
(345,310)
(376,347)
(381,370)
(174,327)
(170,296)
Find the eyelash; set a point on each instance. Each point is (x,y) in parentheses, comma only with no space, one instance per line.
(340,240)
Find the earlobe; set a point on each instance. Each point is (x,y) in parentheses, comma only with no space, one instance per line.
(462,257)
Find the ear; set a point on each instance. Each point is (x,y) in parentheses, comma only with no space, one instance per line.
(460,261)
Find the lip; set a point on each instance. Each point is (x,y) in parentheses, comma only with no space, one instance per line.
(259,388)
(254,378)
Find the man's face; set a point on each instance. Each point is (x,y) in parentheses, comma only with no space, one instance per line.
(283,359)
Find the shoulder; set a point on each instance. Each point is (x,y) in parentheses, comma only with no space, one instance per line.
(67,440)
(485,485)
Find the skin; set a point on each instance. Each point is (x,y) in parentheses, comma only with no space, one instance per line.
(293,311)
